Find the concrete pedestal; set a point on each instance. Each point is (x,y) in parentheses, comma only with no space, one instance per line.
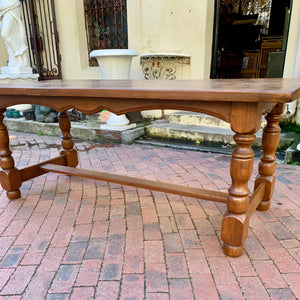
(115,64)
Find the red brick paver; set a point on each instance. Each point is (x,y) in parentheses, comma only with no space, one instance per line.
(71,238)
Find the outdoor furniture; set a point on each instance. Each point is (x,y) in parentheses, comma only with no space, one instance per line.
(241,102)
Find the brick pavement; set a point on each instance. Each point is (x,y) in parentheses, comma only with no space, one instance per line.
(71,238)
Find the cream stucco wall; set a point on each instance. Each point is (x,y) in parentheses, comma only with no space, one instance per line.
(72,40)
(180,26)
(170,26)
(177,26)
(173,26)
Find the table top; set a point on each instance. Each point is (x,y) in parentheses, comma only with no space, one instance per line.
(269,90)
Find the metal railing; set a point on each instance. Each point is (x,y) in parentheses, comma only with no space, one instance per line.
(106,25)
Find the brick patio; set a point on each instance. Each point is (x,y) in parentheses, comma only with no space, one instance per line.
(79,239)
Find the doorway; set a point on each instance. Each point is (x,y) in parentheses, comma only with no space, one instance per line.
(250,38)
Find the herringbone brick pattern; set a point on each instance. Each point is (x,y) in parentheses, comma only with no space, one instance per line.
(71,238)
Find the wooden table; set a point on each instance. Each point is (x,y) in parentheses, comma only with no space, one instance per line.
(241,102)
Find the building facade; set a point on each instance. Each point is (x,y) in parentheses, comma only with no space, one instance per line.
(181,27)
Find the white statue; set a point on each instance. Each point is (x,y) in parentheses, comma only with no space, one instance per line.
(14,36)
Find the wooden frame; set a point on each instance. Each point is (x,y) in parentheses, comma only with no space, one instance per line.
(241,102)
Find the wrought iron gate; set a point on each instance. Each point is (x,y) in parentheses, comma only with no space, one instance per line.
(42,38)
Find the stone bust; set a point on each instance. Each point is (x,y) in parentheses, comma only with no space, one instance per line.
(14,36)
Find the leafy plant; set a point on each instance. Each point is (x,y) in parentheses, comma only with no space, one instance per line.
(295,163)
(288,125)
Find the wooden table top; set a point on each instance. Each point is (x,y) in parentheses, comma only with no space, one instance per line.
(269,90)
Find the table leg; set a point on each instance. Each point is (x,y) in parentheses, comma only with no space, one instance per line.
(234,224)
(267,165)
(66,139)
(10,176)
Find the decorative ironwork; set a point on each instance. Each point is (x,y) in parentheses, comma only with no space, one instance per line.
(106,25)
(162,66)
(42,37)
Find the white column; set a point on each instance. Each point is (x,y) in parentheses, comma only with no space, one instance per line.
(292,59)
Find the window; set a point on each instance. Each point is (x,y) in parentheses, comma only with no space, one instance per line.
(106,25)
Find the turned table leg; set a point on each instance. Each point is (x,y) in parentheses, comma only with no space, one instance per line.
(234,225)
(267,165)
(10,176)
(66,139)
(245,122)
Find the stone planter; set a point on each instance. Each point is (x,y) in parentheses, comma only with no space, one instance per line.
(115,64)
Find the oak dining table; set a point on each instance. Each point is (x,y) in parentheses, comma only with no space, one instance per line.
(240,102)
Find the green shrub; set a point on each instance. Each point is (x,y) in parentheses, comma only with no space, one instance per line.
(287,125)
